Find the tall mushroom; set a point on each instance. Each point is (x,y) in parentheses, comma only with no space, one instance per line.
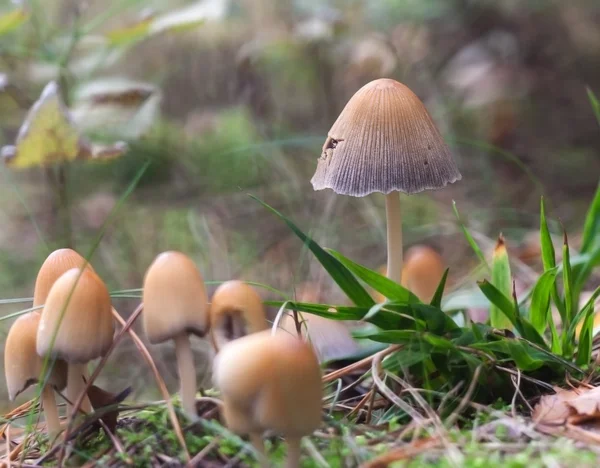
(76,326)
(385,141)
(23,367)
(270,382)
(236,310)
(175,306)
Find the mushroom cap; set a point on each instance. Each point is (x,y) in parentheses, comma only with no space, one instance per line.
(57,263)
(422,271)
(22,365)
(384,140)
(175,299)
(269,382)
(236,300)
(86,329)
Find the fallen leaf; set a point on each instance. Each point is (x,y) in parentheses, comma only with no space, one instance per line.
(568,407)
(100,398)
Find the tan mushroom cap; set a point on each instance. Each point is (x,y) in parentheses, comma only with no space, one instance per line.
(269,382)
(236,298)
(22,365)
(384,140)
(422,272)
(57,263)
(175,299)
(86,330)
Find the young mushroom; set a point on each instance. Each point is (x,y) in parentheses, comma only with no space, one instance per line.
(23,367)
(76,326)
(385,141)
(270,383)
(236,310)
(57,263)
(175,306)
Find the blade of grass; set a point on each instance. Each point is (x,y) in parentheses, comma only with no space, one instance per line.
(502,281)
(549,258)
(591,227)
(389,288)
(540,300)
(338,272)
(595,104)
(436,300)
(470,239)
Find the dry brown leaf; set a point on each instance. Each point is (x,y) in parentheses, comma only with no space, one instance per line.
(100,398)
(568,406)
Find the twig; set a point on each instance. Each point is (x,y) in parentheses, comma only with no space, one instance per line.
(387,393)
(366,362)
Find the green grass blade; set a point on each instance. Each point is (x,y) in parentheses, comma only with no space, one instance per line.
(540,300)
(436,300)
(567,282)
(591,227)
(589,305)
(469,238)
(595,104)
(338,272)
(549,257)
(501,279)
(499,300)
(380,283)
(524,326)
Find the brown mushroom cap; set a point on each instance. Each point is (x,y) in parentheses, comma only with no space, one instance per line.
(175,299)
(384,141)
(269,382)
(86,329)
(57,263)
(422,272)
(236,299)
(22,365)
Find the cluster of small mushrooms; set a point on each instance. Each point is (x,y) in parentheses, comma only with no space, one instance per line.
(383,141)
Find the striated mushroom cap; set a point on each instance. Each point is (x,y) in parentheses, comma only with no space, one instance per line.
(57,263)
(22,365)
(383,141)
(236,310)
(269,382)
(86,329)
(174,297)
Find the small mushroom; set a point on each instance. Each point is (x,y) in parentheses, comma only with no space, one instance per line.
(57,263)
(23,367)
(175,306)
(236,310)
(385,141)
(76,326)
(270,383)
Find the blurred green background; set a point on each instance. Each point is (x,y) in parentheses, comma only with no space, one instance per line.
(240,97)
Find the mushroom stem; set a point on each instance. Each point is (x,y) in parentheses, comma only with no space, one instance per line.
(294,450)
(394,236)
(75,386)
(50,411)
(86,404)
(259,445)
(187,374)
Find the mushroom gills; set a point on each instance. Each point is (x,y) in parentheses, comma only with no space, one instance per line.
(233,326)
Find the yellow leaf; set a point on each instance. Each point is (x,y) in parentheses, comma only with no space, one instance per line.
(12,20)
(47,136)
(129,34)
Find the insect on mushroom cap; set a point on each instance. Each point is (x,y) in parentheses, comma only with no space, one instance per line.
(384,140)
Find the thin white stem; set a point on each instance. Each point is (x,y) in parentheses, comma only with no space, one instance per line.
(187,374)
(394,236)
(76,385)
(259,445)
(86,404)
(294,450)
(50,411)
